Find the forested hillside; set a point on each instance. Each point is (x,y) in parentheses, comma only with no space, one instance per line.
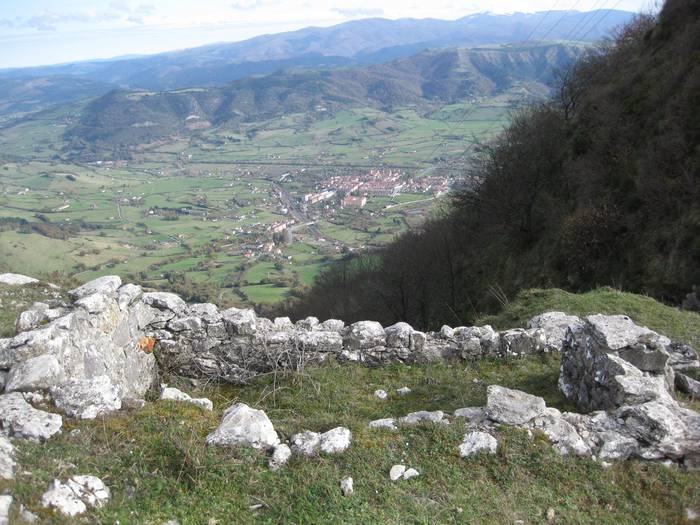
(599,186)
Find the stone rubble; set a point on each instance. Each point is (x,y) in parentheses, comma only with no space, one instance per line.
(346,486)
(334,441)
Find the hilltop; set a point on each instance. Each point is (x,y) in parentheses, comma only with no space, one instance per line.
(357,42)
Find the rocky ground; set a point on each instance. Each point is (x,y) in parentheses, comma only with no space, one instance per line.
(466,424)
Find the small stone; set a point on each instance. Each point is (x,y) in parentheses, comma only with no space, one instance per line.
(691,514)
(423,416)
(5,504)
(550,515)
(7,459)
(396,472)
(73,497)
(381,394)
(16,279)
(410,473)
(476,442)
(335,441)
(346,486)
(242,425)
(173,394)
(280,456)
(403,391)
(27,516)
(305,443)
(389,423)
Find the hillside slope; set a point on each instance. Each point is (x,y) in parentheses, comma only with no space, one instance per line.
(599,186)
(123,118)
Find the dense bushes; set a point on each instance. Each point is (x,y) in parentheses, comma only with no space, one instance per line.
(600,186)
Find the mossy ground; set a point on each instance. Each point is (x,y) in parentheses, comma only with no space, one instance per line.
(156,464)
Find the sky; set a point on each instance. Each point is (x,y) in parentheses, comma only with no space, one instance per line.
(39,32)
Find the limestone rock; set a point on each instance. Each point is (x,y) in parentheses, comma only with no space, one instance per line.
(239,322)
(164,301)
(128,294)
(410,473)
(104,285)
(19,419)
(87,398)
(682,356)
(396,472)
(16,279)
(601,359)
(398,335)
(346,486)
(512,407)
(37,373)
(335,441)
(283,323)
(27,516)
(331,325)
(365,335)
(688,385)
(307,324)
(554,326)
(403,391)
(561,433)
(389,423)
(305,443)
(242,425)
(476,442)
(173,394)
(423,416)
(381,394)
(519,342)
(5,504)
(7,459)
(475,415)
(280,457)
(74,496)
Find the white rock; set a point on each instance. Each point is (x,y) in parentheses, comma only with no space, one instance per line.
(280,456)
(19,419)
(399,335)
(305,443)
(242,425)
(476,442)
(423,416)
(475,415)
(381,394)
(335,441)
(410,473)
(240,322)
(16,279)
(365,335)
(105,285)
(173,394)
(27,516)
(94,303)
(37,373)
(331,325)
(388,422)
(7,459)
(512,407)
(346,486)
(164,301)
(5,504)
(691,514)
(74,496)
(554,325)
(127,294)
(87,398)
(396,472)
(403,391)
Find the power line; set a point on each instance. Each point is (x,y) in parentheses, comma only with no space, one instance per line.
(603,18)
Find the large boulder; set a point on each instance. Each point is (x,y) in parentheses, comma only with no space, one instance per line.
(103,285)
(242,425)
(609,361)
(512,407)
(365,335)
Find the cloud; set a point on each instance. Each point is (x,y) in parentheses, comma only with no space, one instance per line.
(247,5)
(353,12)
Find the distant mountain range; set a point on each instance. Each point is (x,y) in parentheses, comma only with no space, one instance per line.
(123,118)
(360,42)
